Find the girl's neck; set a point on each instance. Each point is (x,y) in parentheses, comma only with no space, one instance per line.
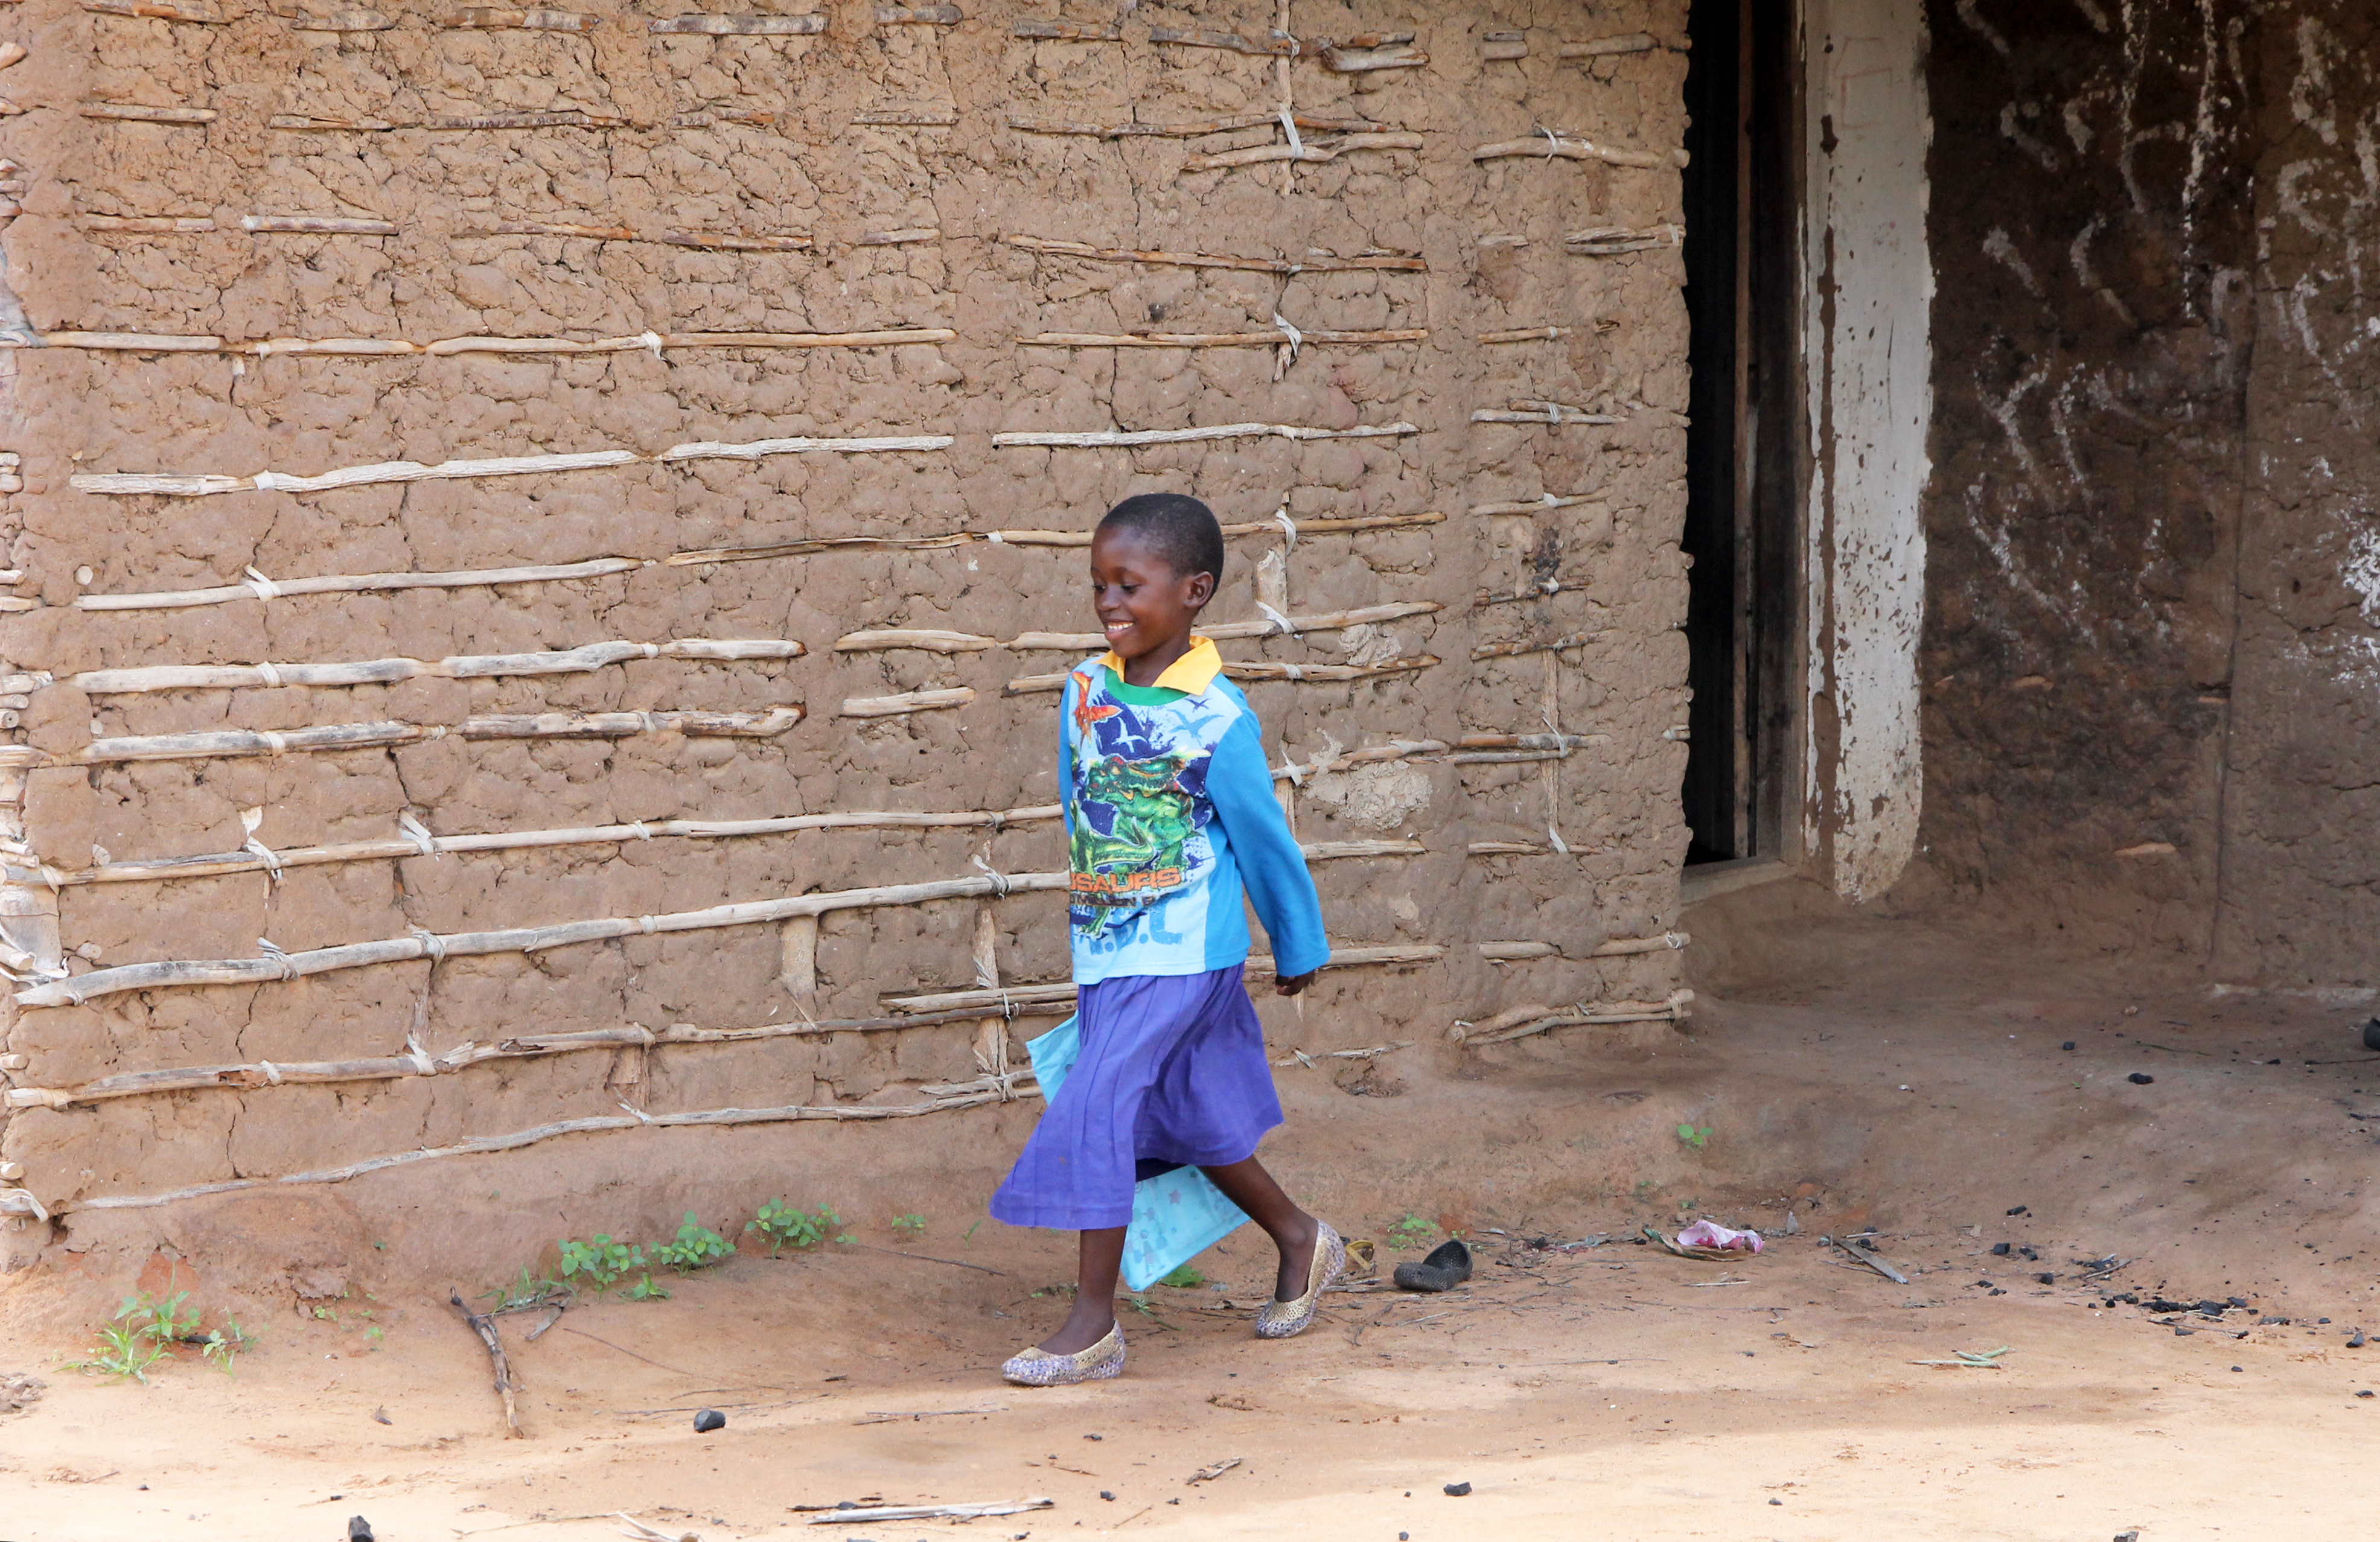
(1144,670)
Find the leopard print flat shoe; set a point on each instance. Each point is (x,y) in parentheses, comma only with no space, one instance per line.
(1285,1319)
(1039,1367)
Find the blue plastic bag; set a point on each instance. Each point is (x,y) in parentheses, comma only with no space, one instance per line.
(1175,1216)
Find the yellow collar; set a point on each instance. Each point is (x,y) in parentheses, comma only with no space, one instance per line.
(1190,674)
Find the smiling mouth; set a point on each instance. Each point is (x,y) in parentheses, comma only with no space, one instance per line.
(1113,627)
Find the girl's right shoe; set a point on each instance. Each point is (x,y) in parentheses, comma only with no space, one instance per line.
(1039,1367)
(1285,1319)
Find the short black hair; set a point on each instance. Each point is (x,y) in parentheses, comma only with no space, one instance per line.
(1182,530)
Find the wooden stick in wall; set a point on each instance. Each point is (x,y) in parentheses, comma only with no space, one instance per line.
(1552,414)
(133,483)
(1302,153)
(1534,506)
(1598,48)
(1193,127)
(133,112)
(1383,262)
(929,641)
(249,1076)
(1101,438)
(1278,43)
(1332,621)
(312,224)
(491,18)
(1546,147)
(483,1146)
(1066,31)
(1617,947)
(919,16)
(1212,339)
(343,21)
(374,672)
(906,702)
(1521,1022)
(1551,645)
(1058,992)
(1026,685)
(420,842)
(519,939)
(1528,334)
(158,10)
(235,743)
(742,26)
(1613,241)
(259,588)
(148,225)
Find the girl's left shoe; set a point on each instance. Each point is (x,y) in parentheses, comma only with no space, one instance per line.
(1286,1320)
(1039,1367)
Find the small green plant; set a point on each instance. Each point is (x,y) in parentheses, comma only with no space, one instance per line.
(529,1290)
(1696,1137)
(599,1261)
(123,1353)
(783,1226)
(222,1346)
(1411,1231)
(697,1247)
(142,1332)
(1185,1278)
(911,1227)
(645,1290)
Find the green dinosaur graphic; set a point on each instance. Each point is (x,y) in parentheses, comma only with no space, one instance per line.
(1140,858)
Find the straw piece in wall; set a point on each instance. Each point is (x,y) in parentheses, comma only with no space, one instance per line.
(467,666)
(1387,261)
(1626,42)
(1569,147)
(487,1145)
(907,701)
(219,864)
(518,940)
(1125,437)
(743,26)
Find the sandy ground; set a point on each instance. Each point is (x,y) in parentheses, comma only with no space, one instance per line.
(1904,1080)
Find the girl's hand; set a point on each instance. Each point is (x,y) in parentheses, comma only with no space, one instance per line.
(1292,984)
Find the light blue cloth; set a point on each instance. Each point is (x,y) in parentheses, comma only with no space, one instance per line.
(1175,1216)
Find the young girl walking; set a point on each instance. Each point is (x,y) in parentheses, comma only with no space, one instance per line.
(1170,819)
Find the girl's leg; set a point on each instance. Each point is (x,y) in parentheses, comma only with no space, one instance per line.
(1094,1313)
(1247,1184)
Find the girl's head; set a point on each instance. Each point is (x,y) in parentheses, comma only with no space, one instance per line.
(1155,561)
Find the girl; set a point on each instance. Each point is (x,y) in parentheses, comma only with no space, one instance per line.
(1170,817)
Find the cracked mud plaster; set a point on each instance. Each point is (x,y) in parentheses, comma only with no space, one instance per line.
(2148,664)
(811,171)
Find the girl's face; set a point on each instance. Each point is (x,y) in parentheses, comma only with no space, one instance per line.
(1142,603)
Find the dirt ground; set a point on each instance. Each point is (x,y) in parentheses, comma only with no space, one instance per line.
(1901,1076)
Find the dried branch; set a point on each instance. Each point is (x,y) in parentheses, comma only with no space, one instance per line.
(234,743)
(1546,147)
(575,660)
(485,1326)
(132,112)
(1523,1022)
(355,583)
(1611,240)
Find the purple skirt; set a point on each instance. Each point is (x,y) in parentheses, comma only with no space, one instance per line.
(1171,1073)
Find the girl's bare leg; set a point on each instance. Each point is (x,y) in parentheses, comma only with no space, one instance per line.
(1094,1313)
(1248,1185)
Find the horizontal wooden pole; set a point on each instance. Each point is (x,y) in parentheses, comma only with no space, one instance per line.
(1195,128)
(1273,339)
(906,702)
(517,939)
(236,743)
(133,112)
(1546,147)
(1101,438)
(1553,413)
(574,661)
(1503,1028)
(1331,620)
(1026,685)
(742,26)
(1318,151)
(992,1091)
(1613,241)
(1057,992)
(425,843)
(357,583)
(1384,262)
(1598,48)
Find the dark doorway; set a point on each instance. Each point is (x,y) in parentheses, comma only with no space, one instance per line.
(1742,468)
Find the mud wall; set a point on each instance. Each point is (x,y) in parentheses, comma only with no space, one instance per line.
(2095,172)
(769,282)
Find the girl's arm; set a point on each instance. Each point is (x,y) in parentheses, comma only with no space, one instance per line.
(1240,784)
(1066,759)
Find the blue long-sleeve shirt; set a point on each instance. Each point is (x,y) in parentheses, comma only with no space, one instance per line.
(1170,819)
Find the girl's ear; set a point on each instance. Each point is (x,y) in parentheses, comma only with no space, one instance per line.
(1201,590)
